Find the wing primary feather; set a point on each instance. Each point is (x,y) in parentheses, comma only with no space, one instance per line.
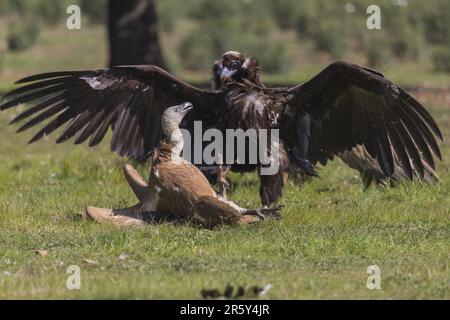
(77,111)
(416,133)
(61,118)
(138,135)
(90,127)
(39,107)
(377,146)
(98,110)
(152,126)
(100,133)
(413,153)
(381,118)
(132,126)
(354,105)
(116,141)
(50,75)
(37,85)
(422,112)
(71,98)
(414,121)
(43,116)
(32,96)
(339,129)
(399,149)
(368,134)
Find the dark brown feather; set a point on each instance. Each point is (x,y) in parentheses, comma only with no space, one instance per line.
(93,101)
(381,116)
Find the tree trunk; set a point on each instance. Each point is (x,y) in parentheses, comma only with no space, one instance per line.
(133,35)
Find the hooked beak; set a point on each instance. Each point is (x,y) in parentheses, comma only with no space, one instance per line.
(227,73)
(186,107)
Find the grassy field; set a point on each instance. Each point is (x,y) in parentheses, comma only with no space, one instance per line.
(331,229)
(330,233)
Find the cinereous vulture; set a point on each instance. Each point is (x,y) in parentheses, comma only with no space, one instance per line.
(357,158)
(343,106)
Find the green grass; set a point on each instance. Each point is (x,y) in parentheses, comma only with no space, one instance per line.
(331,231)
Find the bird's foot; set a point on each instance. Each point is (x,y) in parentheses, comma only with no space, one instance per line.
(266,213)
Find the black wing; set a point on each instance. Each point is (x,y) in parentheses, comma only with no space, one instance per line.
(129,99)
(350,105)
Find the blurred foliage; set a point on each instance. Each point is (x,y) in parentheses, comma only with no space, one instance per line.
(22,35)
(274,31)
(373,47)
(50,12)
(26,17)
(96,10)
(336,28)
(441,59)
(238,25)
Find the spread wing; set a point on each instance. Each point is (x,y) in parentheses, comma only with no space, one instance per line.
(349,105)
(128,99)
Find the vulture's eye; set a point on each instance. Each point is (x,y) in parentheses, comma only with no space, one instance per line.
(234,65)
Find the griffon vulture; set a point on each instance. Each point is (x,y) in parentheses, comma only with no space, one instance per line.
(176,189)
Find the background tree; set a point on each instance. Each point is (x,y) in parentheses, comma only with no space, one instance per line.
(133,35)
(285,35)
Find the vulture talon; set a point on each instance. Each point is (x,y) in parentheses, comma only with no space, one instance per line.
(265,213)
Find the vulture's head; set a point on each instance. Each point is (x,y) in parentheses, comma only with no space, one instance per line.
(173,116)
(237,67)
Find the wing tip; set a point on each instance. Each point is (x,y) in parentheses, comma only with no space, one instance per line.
(50,75)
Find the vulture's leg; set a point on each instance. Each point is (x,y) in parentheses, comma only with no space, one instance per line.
(271,188)
(222,181)
(261,214)
(299,153)
(265,213)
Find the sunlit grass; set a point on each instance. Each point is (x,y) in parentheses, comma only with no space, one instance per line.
(331,231)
